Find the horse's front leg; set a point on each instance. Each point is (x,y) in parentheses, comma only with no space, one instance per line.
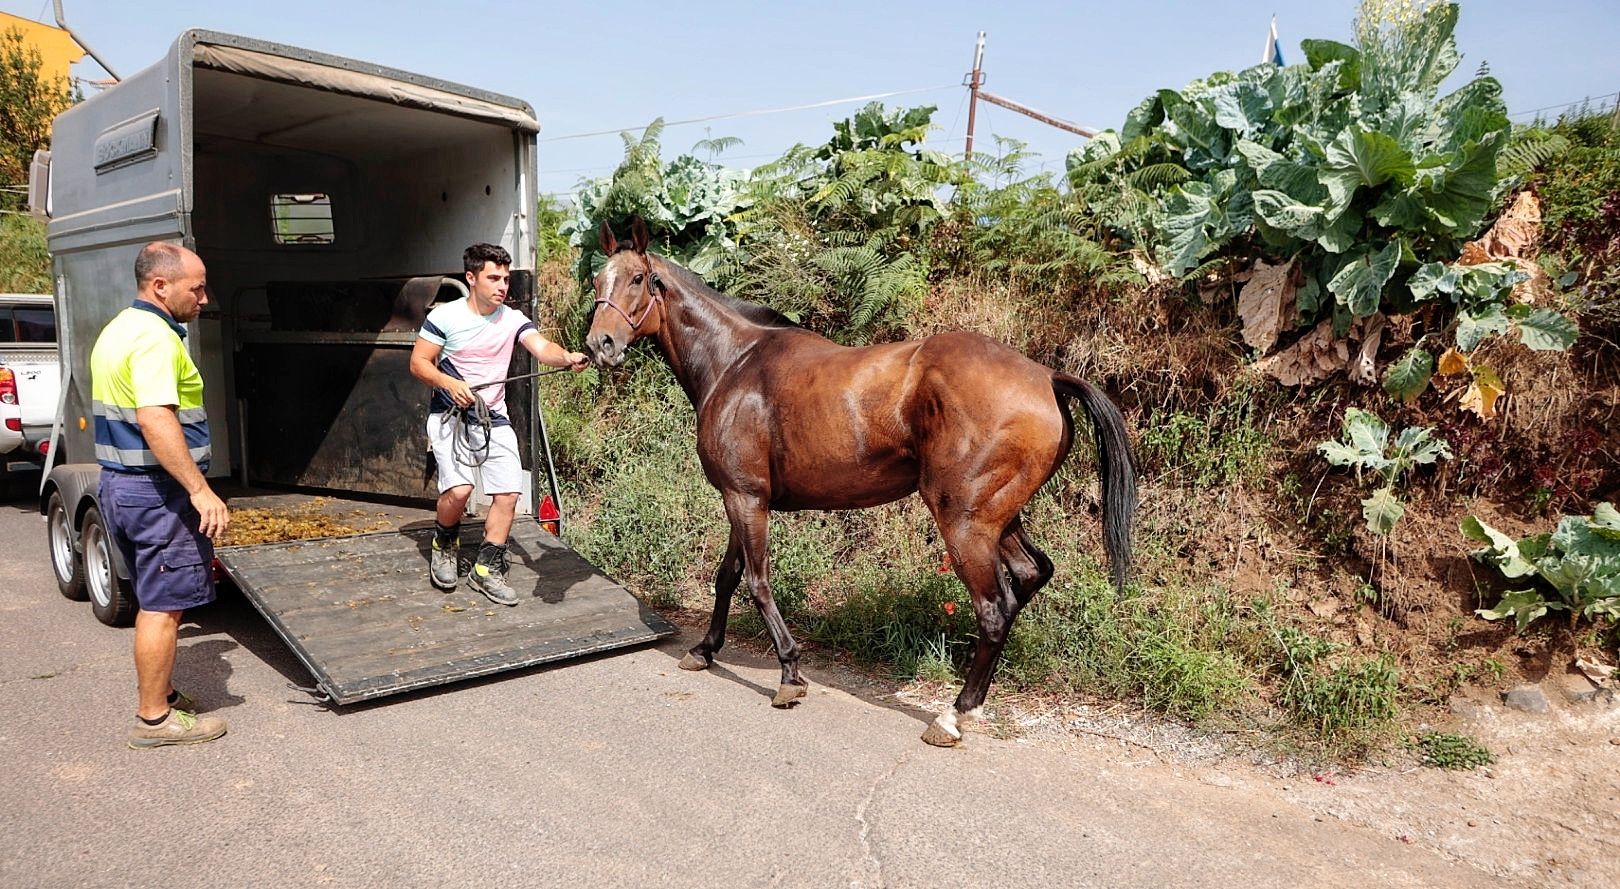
(725,583)
(749,525)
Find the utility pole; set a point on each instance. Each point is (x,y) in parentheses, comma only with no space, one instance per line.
(975,79)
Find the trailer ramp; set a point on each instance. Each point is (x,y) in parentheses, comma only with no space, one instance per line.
(358,610)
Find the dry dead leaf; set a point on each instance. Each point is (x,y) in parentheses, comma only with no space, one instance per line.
(1473,254)
(1363,366)
(1452,362)
(1312,359)
(1148,269)
(1267,298)
(1516,231)
(1482,393)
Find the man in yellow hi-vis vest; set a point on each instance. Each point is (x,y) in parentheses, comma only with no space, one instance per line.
(153,446)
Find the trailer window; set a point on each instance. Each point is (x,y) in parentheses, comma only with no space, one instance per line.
(302,218)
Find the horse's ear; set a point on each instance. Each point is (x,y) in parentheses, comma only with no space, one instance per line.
(638,235)
(610,244)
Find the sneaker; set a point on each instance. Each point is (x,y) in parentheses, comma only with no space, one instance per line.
(179,727)
(492,583)
(442,566)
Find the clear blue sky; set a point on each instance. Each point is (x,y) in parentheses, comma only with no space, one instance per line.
(587,66)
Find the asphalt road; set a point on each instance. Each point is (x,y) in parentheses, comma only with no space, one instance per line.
(615,771)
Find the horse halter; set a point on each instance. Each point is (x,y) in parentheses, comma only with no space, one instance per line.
(655,287)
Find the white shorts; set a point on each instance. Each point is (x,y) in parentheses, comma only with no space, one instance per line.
(501,468)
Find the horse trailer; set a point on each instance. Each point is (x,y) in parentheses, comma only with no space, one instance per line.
(330,200)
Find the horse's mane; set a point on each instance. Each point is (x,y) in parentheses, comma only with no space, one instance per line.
(765,316)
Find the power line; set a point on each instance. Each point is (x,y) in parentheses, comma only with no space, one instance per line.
(732,116)
(1565,104)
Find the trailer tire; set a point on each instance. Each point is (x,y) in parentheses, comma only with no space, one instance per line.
(111,600)
(65,562)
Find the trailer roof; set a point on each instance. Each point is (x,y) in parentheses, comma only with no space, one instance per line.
(290,64)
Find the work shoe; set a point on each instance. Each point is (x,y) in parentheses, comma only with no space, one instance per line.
(183,701)
(491,580)
(179,727)
(442,566)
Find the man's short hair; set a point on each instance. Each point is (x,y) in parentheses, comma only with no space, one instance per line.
(475,256)
(159,259)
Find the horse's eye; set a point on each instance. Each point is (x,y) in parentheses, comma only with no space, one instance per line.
(636,280)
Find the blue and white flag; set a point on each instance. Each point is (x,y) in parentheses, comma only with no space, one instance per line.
(1273,53)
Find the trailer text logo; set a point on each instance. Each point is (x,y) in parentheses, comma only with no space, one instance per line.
(130,142)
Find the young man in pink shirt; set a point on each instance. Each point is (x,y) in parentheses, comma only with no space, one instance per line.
(462,344)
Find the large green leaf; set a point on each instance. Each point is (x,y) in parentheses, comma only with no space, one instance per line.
(1359,285)
(1432,279)
(1546,330)
(1459,194)
(1318,53)
(1419,446)
(1189,210)
(1503,551)
(1382,511)
(1359,158)
(1401,209)
(1296,180)
(1408,377)
(1149,113)
(1606,521)
(1364,439)
(1474,325)
(1524,606)
(1286,214)
(1243,107)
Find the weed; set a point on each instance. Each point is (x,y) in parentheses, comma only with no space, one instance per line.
(1214,448)
(1443,750)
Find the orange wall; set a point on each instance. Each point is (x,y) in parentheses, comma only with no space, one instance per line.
(56,49)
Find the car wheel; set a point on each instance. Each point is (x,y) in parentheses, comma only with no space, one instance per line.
(65,563)
(110,598)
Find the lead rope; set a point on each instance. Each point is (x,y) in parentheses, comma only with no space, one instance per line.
(470,426)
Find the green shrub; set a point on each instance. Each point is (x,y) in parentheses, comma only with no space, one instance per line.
(1579,562)
(25,264)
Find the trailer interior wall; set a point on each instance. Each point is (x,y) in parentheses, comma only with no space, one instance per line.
(410,188)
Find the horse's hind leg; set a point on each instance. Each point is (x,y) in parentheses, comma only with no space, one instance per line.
(749,523)
(725,583)
(1030,568)
(983,570)
(1015,570)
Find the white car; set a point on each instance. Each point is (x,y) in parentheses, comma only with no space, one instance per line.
(30,379)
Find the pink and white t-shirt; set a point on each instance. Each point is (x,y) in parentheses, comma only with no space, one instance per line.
(476,349)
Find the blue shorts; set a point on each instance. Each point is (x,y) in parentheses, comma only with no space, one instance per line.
(152,522)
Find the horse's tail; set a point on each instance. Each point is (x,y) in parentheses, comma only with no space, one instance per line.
(1115,466)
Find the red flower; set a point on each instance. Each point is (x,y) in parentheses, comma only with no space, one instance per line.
(950,608)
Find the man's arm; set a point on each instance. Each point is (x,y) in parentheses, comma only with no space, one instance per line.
(552,355)
(161,427)
(422,367)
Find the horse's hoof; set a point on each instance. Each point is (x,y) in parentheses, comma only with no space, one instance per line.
(786,695)
(940,736)
(694,663)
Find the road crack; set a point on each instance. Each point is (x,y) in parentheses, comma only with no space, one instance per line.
(873,865)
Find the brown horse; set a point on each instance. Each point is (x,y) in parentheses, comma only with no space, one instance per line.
(788,420)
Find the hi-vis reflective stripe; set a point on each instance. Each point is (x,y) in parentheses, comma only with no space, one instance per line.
(128,414)
(145,459)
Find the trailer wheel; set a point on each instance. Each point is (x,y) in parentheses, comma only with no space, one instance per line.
(65,562)
(110,598)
